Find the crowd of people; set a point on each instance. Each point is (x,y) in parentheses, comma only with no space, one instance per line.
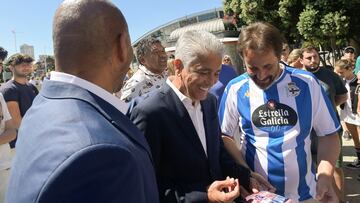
(184,128)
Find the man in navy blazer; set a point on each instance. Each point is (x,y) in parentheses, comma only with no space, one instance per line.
(181,126)
(75,144)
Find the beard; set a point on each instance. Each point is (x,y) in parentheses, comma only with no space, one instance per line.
(263,85)
(312,68)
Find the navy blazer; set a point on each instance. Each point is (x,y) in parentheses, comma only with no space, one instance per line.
(183,169)
(75,147)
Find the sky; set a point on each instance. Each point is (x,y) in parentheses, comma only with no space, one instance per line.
(30,21)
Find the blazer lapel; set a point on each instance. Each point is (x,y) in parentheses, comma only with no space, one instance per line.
(183,118)
(209,128)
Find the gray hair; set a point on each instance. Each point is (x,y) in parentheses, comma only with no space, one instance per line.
(195,43)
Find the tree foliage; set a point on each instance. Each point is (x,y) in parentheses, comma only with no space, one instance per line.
(50,63)
(321,22)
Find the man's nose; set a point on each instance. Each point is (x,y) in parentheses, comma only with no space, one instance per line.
(261,75)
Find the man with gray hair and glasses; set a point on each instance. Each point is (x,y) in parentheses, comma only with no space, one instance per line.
(181,126)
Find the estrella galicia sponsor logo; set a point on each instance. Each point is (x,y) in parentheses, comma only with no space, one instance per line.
(274,116)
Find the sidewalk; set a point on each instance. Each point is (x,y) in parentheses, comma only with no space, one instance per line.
(352,185)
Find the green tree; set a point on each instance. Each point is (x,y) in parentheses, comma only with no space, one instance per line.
(50,64)
(325,23)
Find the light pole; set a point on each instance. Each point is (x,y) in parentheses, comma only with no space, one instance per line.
(45,65)
(14,33)
(45,60)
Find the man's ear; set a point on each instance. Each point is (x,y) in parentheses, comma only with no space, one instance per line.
(178,66)
(123,47)
(141,60)
(301,61)
(11,68)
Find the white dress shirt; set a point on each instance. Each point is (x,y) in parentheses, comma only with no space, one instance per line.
(98,91)
(195,113)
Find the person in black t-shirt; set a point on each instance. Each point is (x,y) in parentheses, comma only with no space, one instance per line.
(337,93)
(18,92)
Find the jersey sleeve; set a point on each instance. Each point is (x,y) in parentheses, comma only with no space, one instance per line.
(325,121)
(228,112)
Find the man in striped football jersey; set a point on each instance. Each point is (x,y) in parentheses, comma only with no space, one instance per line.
(276,107)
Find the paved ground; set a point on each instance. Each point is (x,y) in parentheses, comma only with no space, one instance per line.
(352,185)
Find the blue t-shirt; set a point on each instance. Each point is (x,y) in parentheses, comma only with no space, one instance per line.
(276,124)
(227,73)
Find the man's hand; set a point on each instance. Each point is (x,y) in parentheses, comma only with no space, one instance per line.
(324,189)
(257,184)
(216,191)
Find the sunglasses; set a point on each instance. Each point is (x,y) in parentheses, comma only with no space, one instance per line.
(349,51)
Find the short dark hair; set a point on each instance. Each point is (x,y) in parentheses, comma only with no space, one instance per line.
(144,47)
(260,36)
(17,59)
(307,47)
(3,53)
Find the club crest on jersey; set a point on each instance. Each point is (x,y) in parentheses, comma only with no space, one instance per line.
(292,89)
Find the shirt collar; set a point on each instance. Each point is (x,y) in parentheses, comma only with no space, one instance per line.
(148,72)
(184,99)
(91,87)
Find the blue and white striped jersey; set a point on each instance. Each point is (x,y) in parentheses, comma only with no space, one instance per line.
(276,123)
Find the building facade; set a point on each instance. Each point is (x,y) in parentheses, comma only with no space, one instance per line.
(27,49)
(212,20)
